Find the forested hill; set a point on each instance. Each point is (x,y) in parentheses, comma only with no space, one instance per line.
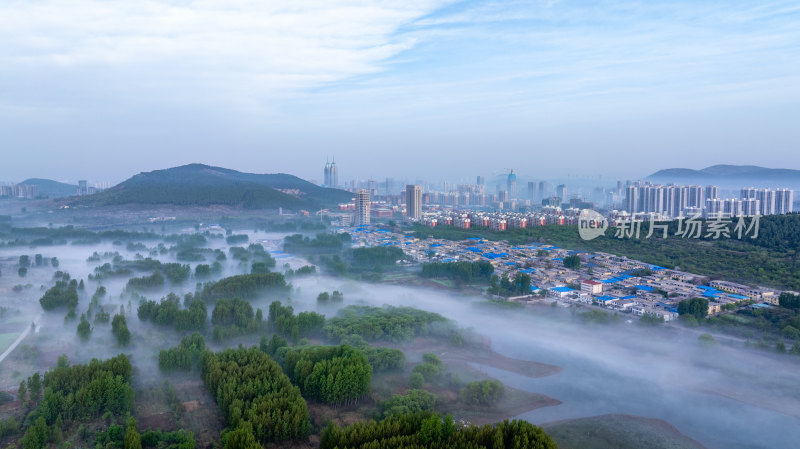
(718,173)
(203,185)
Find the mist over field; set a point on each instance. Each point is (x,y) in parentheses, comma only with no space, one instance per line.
(717,396)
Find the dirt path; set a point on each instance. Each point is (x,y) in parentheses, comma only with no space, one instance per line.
(19,339)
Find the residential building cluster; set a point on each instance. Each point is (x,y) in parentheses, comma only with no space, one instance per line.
(670,201)
(603,280)
(20,191)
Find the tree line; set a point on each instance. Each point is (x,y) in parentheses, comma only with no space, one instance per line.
(395,324)
(331,374)
(184,357)
(232,317)
(242,286)
(480,271)
(168,312)
(433,431)
(258,400)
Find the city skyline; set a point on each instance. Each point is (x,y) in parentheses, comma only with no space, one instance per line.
(464,86)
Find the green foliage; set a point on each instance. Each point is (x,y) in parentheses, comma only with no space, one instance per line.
(789,300)
(413,401)
(242,286)
(484,392)
(168,312)
(282,321)
(63,294)
(416,380)
(376,256)
(249,387)
(84,328)
(331,374)
(384,359)
(184,357)
(119,327)
(132,438)
(395,324)
(428,371)
(236,239)
(322,243)
(234,317)
(521,285)
(37,436)
(641,272)
(696,307)
(572,262)
(84,392)
(202,271)
(168,440)
(35,387)
(706,339)
(651,319)
(8,427)
(463,271)
(431,431)
(153,282)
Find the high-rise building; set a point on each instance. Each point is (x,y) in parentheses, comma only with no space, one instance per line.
(331,178)
(784,199)
(532,194)
(361,217)
(632,199)
(712,192)
(766,199)
(544,189)
(480,180)
(83,187)
(414,201)
(561,191)
(511,184)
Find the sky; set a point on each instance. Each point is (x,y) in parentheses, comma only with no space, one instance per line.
(417,89)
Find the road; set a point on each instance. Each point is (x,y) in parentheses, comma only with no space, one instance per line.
(18,340)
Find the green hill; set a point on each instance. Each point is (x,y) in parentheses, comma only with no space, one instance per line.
(722,172)
(203,185)
(52,189)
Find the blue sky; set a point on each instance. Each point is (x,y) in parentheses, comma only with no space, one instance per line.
(409,89)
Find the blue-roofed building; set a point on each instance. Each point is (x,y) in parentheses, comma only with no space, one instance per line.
(560,292)
(644,288)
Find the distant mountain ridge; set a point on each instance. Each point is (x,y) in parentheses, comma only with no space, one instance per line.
(52,189)
(716,172)
(205,185)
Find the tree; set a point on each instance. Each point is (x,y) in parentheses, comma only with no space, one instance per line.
(572,262)
(119,327)
(132,438)
(35,387)
(84,329)
(22,272)
(696,307)
(789,300)
(416,381)
(706,339)
(22,392)
(37,436)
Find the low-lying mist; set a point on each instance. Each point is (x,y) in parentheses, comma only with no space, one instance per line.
(723,395)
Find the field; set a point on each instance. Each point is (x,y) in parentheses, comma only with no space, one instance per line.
(618,432)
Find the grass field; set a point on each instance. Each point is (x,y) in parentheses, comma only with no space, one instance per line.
(618,432)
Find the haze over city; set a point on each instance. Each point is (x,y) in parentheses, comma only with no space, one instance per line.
(420,89)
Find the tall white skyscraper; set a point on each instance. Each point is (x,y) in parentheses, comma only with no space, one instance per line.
(414,201)
(362,208)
